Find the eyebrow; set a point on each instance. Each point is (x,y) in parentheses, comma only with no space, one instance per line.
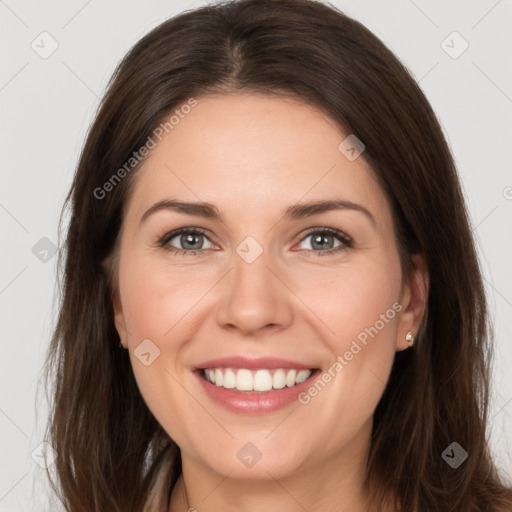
(294,212)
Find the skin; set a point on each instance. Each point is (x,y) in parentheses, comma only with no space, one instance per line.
(252,156)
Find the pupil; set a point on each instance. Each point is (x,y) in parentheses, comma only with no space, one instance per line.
(190,239)
(319,238)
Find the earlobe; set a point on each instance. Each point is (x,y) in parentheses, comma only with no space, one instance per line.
(415,301)
(106,263)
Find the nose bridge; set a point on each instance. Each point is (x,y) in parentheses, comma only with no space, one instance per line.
(253,297)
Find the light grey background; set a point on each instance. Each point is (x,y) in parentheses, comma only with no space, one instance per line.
(47,107)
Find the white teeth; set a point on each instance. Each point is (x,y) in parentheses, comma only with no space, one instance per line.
(258,380)
(279,379)
(229,381)
(302,376)
(243,380)
(262,381)
(290,378)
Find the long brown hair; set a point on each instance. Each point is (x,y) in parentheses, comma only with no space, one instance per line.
(111,450)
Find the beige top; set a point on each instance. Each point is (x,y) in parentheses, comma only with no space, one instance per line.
(159,496)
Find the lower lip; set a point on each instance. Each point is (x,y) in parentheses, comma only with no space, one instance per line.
(255,402)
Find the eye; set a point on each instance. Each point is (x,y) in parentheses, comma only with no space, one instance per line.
(191,241)
(324,239)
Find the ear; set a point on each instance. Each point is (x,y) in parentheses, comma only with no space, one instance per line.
(119,319)
(414,301)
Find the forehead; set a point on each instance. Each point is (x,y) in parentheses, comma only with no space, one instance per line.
(251,151)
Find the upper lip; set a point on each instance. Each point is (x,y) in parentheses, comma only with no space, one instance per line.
(253,364)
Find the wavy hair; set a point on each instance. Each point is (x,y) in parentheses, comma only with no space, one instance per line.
(112,453)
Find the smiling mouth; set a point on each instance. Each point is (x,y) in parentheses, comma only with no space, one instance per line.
(261,380)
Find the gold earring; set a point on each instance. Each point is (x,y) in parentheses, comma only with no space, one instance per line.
(410,338)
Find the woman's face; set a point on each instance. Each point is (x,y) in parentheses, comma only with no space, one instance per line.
(259,297)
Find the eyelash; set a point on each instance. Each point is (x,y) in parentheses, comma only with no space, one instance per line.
(162,242)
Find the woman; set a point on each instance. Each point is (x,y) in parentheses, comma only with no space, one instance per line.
(323,343)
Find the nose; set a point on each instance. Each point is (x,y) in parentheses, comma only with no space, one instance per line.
(255,297)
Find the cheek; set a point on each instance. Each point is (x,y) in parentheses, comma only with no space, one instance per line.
(354,300)
(160,304)
(160,300)
(358,311)
(157,305)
